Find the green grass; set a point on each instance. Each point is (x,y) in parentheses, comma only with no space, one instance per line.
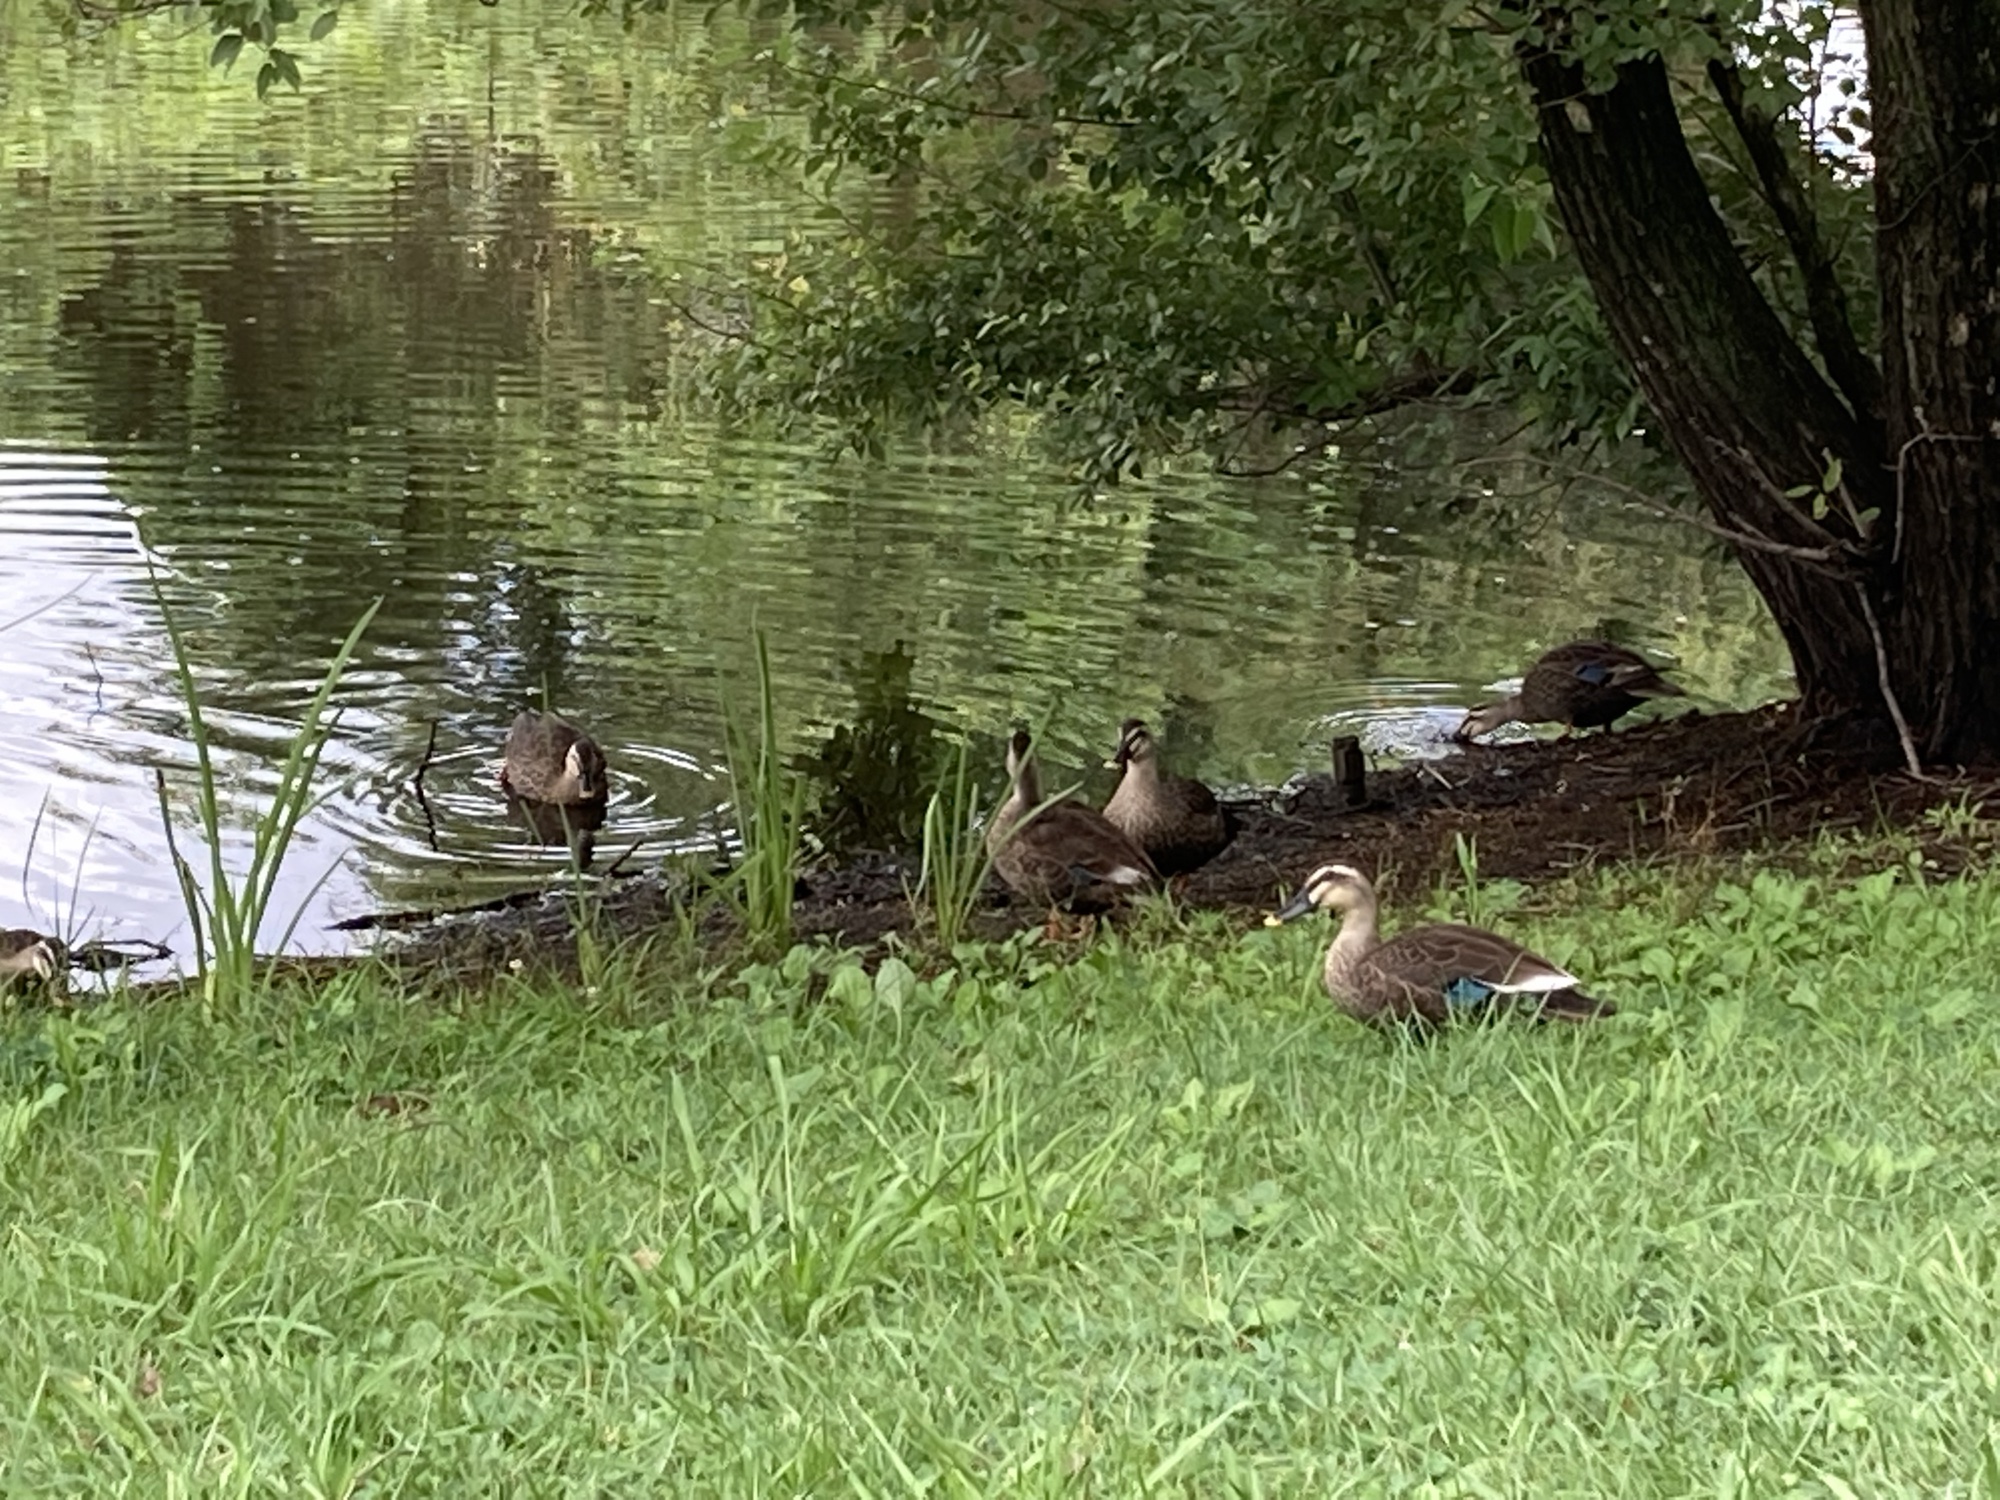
(956,861)
(1156,1221)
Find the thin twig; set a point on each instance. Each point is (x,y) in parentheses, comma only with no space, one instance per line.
(1371,253)
(612,868)
(100,954)
(1755,540)
(96,673)
(41,609)
(1311,448)
(952,106)
(1902,455)
(183,871)
(713,330)
(89,10)
(1888,688)
(417,786)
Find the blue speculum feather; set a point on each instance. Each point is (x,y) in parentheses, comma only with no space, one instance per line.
(1465,991)
(1594,672)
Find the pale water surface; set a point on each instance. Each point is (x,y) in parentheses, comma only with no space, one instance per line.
(410,335)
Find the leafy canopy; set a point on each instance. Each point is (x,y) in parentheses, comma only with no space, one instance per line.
(1170,224)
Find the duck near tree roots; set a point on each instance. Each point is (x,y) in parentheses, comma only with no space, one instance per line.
(1581,685)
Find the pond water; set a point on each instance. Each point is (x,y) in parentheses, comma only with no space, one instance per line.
(409,336)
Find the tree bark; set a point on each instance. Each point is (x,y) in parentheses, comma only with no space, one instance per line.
(1934,85)
(1741,404)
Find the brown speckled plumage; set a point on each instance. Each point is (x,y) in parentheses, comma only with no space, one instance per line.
(1429,975)
(1174,819)
(1581,685)
(548,759)
(1066,854)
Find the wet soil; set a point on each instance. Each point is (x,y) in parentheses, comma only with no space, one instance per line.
(1686,788)
(1689,787)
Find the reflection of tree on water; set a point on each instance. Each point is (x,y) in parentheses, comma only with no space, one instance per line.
(873,778)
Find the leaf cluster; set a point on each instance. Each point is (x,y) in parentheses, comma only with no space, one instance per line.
(1178,225)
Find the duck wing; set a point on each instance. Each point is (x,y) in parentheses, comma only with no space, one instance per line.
(1601,665)
(1194,828)
(1588,684)
(1068,851)
(1448,970)
(532,758)
(1089,844)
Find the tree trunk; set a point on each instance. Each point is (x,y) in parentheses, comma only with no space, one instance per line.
(1934,84)
(1744,408)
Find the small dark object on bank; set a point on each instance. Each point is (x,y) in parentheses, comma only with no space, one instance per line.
(1350,769)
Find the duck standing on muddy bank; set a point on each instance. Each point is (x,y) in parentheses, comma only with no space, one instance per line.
(1581,685)
(1174,819)
(1062,853)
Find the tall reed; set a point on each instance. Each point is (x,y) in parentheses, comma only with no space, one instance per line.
(769,800)
(227,916)
(956,860)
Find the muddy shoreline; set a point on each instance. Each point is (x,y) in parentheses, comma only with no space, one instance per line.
(1690,787)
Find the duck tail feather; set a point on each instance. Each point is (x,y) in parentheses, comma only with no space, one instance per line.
(1574,1005)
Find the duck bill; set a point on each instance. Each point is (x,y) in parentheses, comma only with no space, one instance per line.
(1299,906)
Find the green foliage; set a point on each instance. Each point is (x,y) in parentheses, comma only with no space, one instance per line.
(1199,223)
(1175,224)
(1157,1221)
(873,777)
(226,918)
(257,23)
(769,799)
(955,858)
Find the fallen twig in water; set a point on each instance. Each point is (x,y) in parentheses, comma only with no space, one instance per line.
(417,786)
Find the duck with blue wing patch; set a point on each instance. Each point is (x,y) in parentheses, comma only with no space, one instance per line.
(1582,685)
(1430,976)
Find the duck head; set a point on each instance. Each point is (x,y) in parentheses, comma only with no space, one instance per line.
(584,765)
(1135,744)
(1488,717)
(1340,888)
